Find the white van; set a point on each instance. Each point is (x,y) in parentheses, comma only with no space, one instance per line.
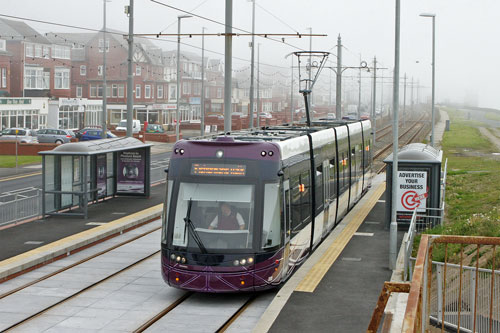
(122,126)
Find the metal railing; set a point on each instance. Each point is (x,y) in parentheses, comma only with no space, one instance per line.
(20,205)
(455,296)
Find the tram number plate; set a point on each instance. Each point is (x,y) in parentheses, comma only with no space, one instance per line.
(203,169)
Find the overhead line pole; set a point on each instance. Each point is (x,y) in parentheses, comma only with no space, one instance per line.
(130,78)
(394,188)
(228,58)
(202,99)
(105,92)
(374,111)
(291,92)
(338,97)
(252,67)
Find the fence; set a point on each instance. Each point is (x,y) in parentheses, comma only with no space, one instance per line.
(20,204)
(455,296)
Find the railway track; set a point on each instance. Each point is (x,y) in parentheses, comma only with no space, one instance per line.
(412,133)
(118,288)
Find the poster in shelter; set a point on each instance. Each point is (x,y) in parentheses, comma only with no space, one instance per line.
(101,175)
(131,171)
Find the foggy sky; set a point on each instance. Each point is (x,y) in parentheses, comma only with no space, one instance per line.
(466,33)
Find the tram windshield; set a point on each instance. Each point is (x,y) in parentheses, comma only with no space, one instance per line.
(221,214)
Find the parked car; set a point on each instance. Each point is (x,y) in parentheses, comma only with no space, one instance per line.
(155,128)
(22,135)
(94,134)
(265,115)
(122,126)
(79,133)
(52,135)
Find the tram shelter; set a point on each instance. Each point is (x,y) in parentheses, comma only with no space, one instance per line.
(74,174)
(419,185)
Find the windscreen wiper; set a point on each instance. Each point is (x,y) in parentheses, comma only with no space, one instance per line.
(191,227)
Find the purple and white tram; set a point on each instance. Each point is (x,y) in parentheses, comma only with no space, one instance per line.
(288,187)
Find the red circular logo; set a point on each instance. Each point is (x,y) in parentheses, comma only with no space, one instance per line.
(408,200)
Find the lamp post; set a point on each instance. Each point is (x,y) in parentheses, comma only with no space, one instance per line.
(105,92)
(433,16)
(178,73)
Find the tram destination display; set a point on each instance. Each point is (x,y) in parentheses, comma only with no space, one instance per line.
(223,170)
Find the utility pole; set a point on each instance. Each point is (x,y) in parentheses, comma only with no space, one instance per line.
(252,67)
(412,100)
(291,91)
(374,111)
(228,66)
(105,92)
(404,102)
(310,70)
(382,96)
(330,95)
(395,102)
(130,79)
(359,91)
(202,99)
(338,97)
(258,86)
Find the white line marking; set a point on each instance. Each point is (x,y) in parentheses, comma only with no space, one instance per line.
(351,259)
(118,213)
(371,222)
(95,223)
(380,200)
(365,234)
(33,242)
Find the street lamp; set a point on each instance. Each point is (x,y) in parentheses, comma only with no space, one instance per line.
(433,16)
(178,72)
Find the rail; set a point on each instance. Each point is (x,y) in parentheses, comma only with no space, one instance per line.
(19,205)
(453,296)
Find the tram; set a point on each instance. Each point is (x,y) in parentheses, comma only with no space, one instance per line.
(243,211)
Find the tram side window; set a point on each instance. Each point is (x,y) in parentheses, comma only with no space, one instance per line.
(333,188)
(295,198)
(305,196)
(319,187)
(353,165)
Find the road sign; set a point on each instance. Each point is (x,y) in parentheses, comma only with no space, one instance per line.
(412,191)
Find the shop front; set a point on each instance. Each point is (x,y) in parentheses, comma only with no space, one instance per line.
(23,112)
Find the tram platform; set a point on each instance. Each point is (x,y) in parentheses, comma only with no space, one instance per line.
(337,289)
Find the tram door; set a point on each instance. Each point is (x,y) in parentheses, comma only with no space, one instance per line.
(326,196)
(286,226)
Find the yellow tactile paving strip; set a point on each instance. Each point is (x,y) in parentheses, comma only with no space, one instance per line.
(318,271)
(70,243)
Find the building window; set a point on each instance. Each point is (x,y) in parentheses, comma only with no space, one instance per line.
(147,91)
(219,92)
(33,78)
(108,91)
(79,91)
(138,70)
(99,90)
(101,45)
(46,80)
(83,70)
(160,91)
(196,88)
(121,90)
(38,50)
(115,90)
(99,70)
(29,50)
(137,91)
(46,52)
(93,91)
(207,92)
(61,52)
(172,96)
(3,45)
(186,88)
(61,78)
(4,77)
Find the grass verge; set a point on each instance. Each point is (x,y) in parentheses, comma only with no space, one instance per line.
(9,161)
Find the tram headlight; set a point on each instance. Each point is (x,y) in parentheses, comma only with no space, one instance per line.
(263,153)
(250,260)
(173,256)
(181,151)
(219,154)
(178,259)
(176,150)
(243,261)
(183,260)
(270,153)
(236,263)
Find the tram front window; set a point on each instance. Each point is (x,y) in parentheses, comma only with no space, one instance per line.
(221,215)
